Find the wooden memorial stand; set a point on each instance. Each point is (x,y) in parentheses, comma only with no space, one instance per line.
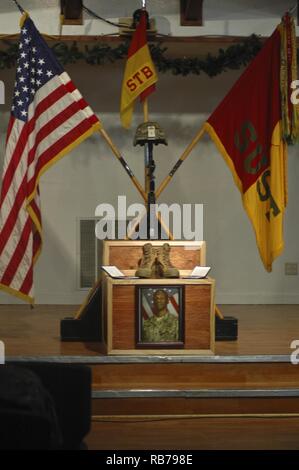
(120,313)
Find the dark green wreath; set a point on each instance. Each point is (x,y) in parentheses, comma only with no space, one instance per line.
(232,58)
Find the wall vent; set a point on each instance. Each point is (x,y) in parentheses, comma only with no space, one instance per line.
(90,252)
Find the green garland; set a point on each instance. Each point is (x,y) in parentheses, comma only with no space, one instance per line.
(232,58)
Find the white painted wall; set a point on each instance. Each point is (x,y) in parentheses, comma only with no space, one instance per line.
(91,175)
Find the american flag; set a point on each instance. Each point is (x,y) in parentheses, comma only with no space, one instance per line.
(48,118)
(148,304)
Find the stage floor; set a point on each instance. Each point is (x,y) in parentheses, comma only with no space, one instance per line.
(263,330)
(246,396)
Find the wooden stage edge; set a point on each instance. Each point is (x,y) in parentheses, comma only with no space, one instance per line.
(246,396)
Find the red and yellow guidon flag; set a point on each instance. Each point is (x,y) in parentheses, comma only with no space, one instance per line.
(140,74)
(251,128)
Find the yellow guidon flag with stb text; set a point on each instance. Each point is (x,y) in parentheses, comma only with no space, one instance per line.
(252,127)
(140,74)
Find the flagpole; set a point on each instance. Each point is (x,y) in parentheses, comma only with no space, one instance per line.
(146,176)
(145,119)
(185,154)
(19,6)
(293,9)
(145,110)
(118,155)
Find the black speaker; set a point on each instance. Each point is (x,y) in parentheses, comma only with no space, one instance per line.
(226,329)
(88,325)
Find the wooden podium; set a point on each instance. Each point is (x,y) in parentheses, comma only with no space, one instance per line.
(120,300)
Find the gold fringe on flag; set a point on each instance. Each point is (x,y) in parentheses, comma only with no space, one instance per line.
(288,73)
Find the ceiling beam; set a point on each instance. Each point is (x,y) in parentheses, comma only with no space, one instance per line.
(191,12)
(6,38)
(72,11)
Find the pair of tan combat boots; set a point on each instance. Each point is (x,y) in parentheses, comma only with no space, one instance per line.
(156,263)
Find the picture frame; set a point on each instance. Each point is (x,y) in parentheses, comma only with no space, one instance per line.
(160,316)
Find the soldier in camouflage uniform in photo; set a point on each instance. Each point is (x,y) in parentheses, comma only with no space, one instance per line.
(163,326)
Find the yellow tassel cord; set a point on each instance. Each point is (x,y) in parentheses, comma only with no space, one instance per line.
(294,75)
(289,112)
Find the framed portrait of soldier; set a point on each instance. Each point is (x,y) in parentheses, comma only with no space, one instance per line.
(160,316)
